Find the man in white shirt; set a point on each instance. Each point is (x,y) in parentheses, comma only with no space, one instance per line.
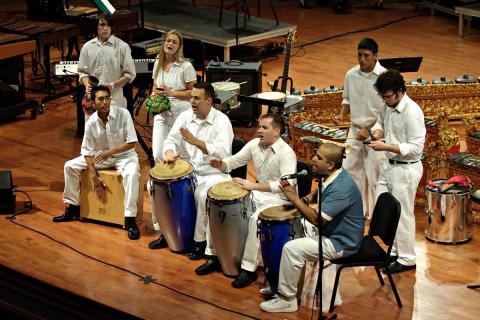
(402,126)
(199,135)
(109,141)
(272,158)
(362,102)
(109,59)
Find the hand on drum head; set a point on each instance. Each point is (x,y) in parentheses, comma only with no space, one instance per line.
(169,157)
(244,183)
(218,164)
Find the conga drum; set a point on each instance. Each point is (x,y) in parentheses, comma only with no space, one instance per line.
(449,214)
(229,207)
(277,225)
(173,203)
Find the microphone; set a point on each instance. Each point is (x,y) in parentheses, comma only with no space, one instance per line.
(302,173)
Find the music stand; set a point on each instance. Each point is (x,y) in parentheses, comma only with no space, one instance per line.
(405,64)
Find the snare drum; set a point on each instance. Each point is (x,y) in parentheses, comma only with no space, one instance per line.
(277,225)
(294,104)
(231,103)
(174,203)
(229,207)
(449,215)
(274,96)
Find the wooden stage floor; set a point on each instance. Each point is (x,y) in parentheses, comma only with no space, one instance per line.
(35,151)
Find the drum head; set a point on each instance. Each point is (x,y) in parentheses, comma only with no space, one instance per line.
(227,190)
(163,171)
(279,213)
(277,96)
(226,86)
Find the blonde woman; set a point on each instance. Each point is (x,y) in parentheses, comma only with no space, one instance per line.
(173,77)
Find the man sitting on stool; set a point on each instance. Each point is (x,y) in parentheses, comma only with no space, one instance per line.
(109,141)
(342,216)
(272,158)
(198,135)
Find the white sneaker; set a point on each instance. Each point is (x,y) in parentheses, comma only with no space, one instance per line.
(279,305)
(266,292)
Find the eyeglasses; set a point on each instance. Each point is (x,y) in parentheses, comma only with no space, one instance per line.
(386,96)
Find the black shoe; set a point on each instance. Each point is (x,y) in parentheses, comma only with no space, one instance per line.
(208,267)
(132,229)
(159,243)
(198,251)
(71,212)
(396,267)
(244,279)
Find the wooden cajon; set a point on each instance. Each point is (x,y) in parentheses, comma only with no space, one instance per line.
(112,210)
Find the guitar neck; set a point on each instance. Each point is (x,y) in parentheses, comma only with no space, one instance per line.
(286,66)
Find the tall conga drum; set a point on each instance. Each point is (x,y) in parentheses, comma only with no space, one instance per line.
(172,191)
(229,207)
(277,226)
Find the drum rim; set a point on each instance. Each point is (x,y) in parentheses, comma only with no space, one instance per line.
(295,215)
(173,178)
(467,190)
(227,199)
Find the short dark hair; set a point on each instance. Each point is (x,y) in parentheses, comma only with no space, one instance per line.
(278,121)
(368,44)
(390,80)
(99,88)
(105,17)
(207,87)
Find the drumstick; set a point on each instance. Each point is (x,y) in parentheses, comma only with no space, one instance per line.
(242,83)
(224,83)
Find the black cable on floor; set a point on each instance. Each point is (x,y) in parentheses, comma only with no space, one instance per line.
(375,27)
(146,279)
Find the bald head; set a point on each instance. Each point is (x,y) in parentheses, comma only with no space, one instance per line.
(332,153)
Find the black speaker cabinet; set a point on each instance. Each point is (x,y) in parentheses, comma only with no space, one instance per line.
(7,197)
(248,72)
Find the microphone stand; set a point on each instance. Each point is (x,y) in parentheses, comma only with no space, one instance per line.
(320,252)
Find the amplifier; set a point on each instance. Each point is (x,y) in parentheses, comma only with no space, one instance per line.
(236,71)
(146,48)
(7,196)
(70,68)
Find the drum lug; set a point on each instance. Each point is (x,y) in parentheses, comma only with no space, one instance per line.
(222,215)
(169,192)
(292,232)
(270,236)
(259,232)
(244,212)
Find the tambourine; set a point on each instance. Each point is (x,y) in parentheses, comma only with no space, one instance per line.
(157,104)
(87,102)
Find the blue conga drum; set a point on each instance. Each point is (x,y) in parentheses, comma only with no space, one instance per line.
(277,225)
(173,204)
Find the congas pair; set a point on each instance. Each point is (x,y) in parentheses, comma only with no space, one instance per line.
(173,204)
(277,225)
(449,215)
(228,208)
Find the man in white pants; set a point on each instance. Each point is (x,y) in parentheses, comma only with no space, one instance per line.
(402,126)
(342,230)
(199,135)
(109,141)
(272,158)
(362,102)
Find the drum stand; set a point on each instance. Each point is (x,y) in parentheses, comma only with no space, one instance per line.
(320,254)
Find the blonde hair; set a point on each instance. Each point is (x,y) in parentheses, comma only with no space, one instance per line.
(178,56)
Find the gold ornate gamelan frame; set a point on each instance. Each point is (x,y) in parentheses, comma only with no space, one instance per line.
(438,102)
